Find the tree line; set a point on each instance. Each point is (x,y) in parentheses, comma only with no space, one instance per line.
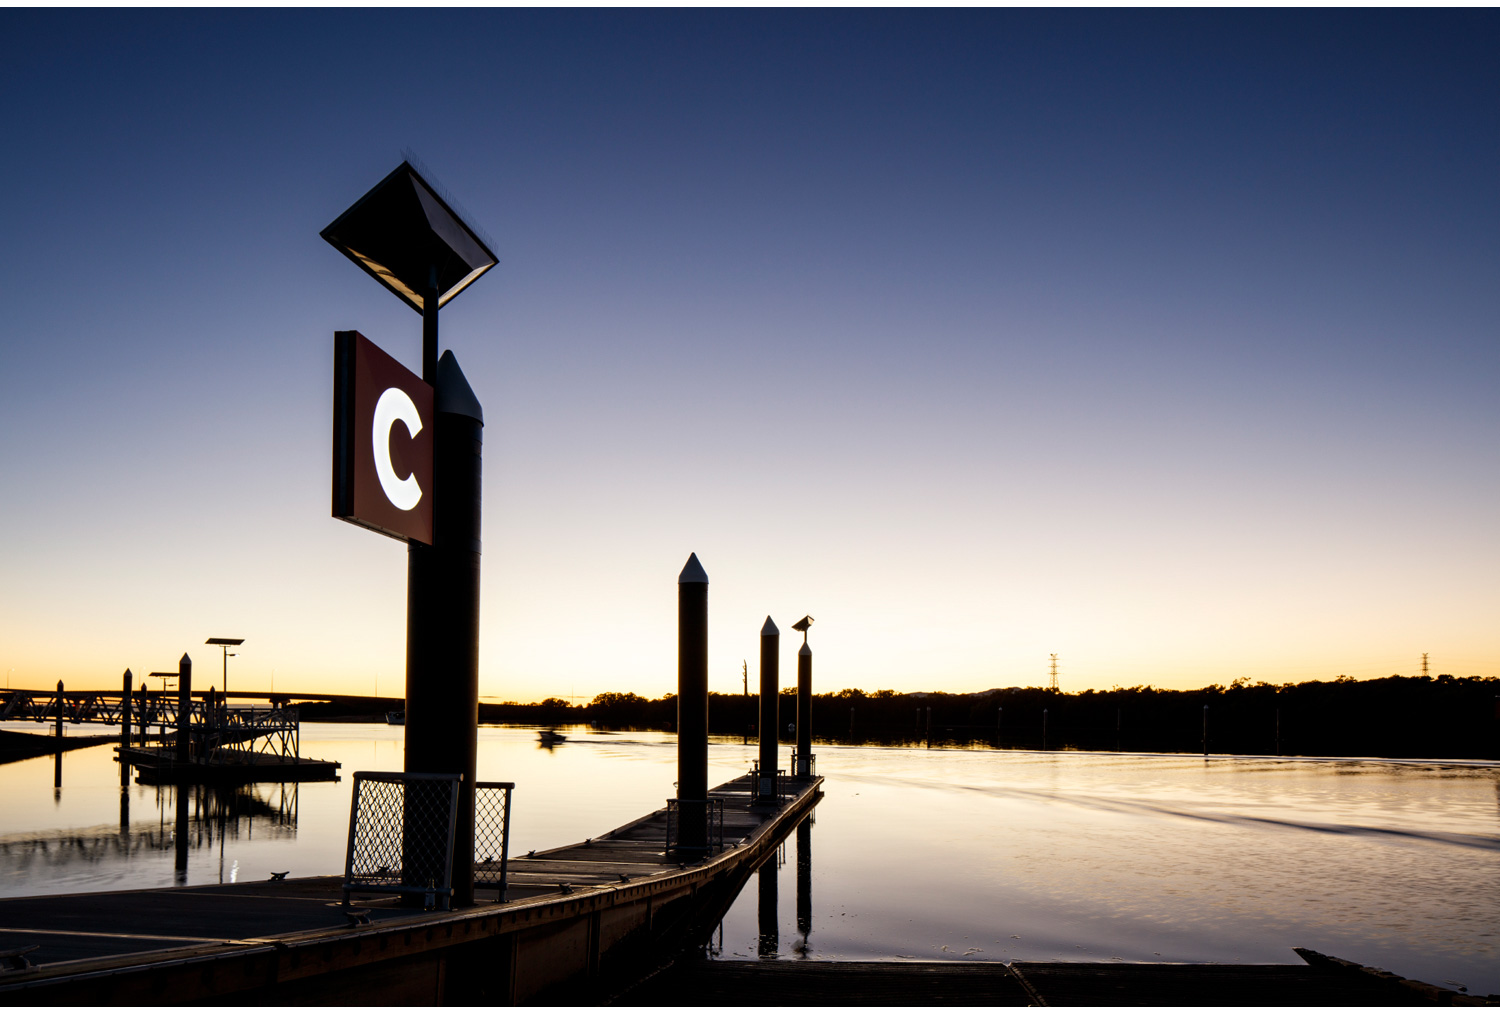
(1397,716)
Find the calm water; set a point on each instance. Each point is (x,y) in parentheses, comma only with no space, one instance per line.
(914,853)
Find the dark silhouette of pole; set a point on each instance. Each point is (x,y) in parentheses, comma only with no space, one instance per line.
(57,730)
(804,710)
(442,617)
(692,706)
(142,738)
(184,712)
(1044,729)
(770,694)
(770,939)
(125,730)
(125,713)
(1205,731)
(804,880)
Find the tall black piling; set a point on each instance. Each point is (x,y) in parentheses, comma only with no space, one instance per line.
(770,694)
(125,711)
(58,729)
(125,729)
(804,712)
(442,621)
(692,707)
(184,709)
(141,737)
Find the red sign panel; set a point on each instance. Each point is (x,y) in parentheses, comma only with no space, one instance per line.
(382,441)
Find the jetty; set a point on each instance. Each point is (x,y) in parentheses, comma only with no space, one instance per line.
(578,923)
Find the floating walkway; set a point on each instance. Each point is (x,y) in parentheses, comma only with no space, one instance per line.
(581,923)
(158,765)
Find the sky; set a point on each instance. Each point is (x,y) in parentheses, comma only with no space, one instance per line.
(1167,342)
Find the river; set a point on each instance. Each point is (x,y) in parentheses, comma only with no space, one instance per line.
(922,854)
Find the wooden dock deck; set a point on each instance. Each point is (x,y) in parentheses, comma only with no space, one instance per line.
(578,917)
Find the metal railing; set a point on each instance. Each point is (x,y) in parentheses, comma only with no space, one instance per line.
(401,829)
(812,766)
(767,787)
(492,835)
(715,831)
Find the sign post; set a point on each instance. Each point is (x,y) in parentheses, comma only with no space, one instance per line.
(407,463)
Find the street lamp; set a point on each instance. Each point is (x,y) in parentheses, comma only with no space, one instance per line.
(224,644)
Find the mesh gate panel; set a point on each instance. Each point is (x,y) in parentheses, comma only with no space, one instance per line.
(491,834)
(401,833)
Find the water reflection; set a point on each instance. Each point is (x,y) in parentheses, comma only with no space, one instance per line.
(189,820)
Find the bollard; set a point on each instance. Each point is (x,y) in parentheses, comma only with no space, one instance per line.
(692,706)
(804,710)
(442,621)
(184,713)
(770,694)
(58,729)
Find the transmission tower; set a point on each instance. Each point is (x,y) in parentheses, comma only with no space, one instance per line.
(1424,664)
(1053,685)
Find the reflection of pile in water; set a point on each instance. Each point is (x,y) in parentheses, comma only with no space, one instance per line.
(266,812)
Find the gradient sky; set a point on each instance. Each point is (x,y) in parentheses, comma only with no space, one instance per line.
(1167,342)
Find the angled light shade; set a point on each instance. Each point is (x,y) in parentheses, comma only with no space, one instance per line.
(401,231)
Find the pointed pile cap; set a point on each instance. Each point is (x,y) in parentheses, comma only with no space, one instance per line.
(769,629)
(452,392)
(692,572)
(804,650)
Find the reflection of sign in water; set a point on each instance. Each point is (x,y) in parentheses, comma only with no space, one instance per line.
(382,441)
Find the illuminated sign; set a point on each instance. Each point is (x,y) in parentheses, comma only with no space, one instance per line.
(382,441)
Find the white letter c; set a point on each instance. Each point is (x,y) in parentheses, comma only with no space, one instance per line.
(392,405)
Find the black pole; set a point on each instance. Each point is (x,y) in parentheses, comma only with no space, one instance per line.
(184,707)
(770,693)
(125,714)
(125,730)
(442,619)
(141,739)
(1044,729)
(57,730)
(804,711)
(692,706)
(430,331)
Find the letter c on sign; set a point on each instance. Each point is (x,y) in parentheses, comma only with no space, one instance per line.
(392,405)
